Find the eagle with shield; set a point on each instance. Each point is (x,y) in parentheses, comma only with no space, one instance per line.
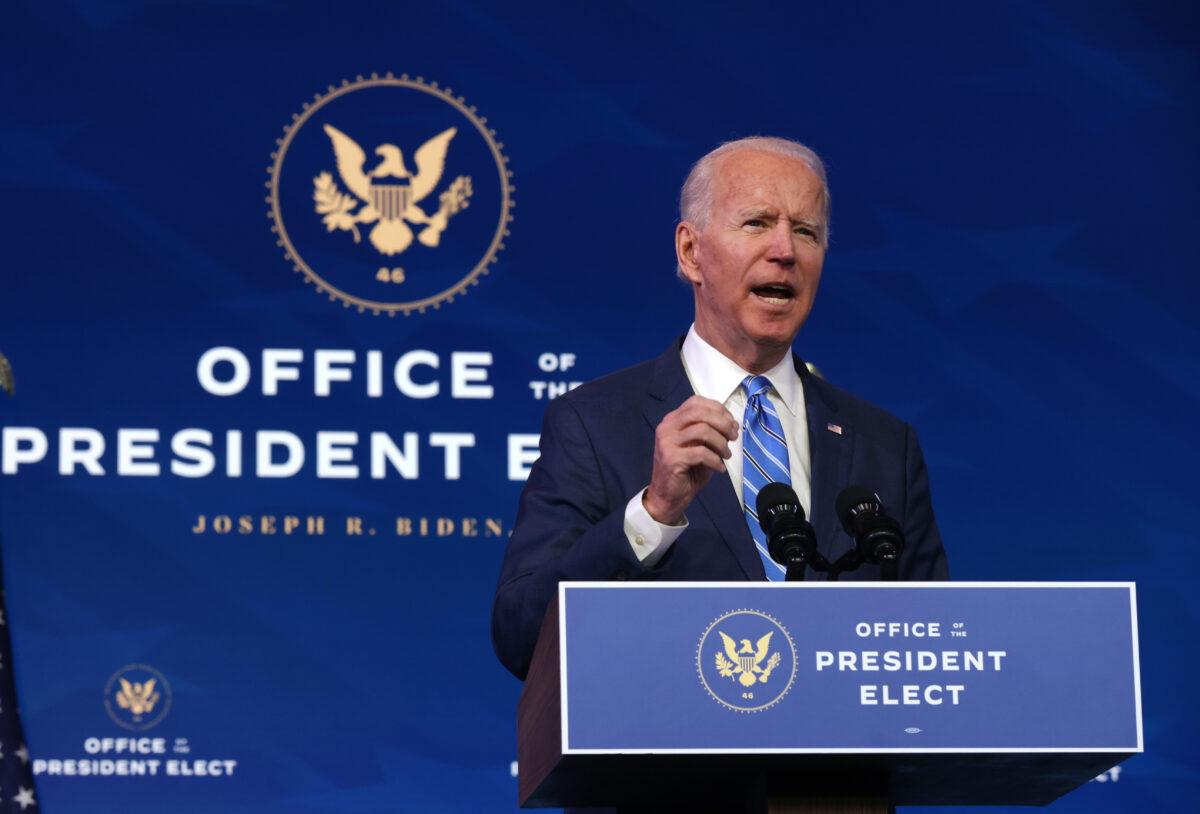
(745,664)
(389,195)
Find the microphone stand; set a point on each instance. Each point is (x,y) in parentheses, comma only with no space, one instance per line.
(847,562)
(889,568)
(888,561)
(796,558)
(883,548)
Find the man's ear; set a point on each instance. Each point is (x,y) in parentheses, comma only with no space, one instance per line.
(687,246)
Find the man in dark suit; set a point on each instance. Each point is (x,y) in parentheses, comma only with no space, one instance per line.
(645,474)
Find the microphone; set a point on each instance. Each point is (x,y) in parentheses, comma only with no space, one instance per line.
(876,534)
(790,538)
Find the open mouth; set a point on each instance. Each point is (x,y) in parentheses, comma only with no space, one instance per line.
(774,293)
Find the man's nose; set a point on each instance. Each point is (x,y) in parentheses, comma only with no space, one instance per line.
(782,249)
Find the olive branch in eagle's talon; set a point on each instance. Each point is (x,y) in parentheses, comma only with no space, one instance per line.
(335,205)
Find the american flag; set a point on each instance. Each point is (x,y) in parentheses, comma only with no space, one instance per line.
(16,775)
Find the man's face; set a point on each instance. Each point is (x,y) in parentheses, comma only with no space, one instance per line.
(756,264)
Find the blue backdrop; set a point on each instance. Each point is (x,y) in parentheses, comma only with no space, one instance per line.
(1013,270)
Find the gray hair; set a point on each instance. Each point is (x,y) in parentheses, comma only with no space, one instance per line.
(696,197)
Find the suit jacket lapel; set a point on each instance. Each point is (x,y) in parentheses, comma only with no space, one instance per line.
(831,445)
(670,388)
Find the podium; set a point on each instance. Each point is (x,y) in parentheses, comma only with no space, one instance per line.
(820,696)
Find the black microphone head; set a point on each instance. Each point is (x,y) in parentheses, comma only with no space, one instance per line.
(877,537)
(773,498)
(790,538)
(853,501)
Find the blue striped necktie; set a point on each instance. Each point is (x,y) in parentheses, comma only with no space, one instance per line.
(764,460)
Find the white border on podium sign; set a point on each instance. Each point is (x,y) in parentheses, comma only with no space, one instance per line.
(773,586)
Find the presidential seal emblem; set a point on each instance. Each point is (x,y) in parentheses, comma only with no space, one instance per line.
(137,697)
(390,194)
(746,660)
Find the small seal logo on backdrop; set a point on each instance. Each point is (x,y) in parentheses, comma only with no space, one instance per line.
(746,660)
(390,194)
(137,697)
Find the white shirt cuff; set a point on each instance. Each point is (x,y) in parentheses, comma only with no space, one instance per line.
(649,538)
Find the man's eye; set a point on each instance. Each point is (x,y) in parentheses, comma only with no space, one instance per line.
(804,230)
(757,223)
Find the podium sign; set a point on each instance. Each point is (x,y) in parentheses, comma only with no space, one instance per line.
(858,667)
(1021,680)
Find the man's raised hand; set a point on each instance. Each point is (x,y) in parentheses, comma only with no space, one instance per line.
(690,444)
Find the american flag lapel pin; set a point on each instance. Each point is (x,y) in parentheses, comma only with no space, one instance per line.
(834,428)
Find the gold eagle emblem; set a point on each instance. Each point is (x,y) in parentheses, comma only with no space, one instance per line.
(389,195)
(138,697)
(6,376)
(744,664)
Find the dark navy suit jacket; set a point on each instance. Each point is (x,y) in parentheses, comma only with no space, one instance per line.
(597,447)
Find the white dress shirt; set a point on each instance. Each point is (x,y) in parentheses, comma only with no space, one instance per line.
(715,376)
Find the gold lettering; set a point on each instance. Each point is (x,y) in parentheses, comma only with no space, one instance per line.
(314,525)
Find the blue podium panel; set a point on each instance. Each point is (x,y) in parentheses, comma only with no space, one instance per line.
(851,667)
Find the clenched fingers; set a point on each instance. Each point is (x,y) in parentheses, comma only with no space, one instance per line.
(699,410)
